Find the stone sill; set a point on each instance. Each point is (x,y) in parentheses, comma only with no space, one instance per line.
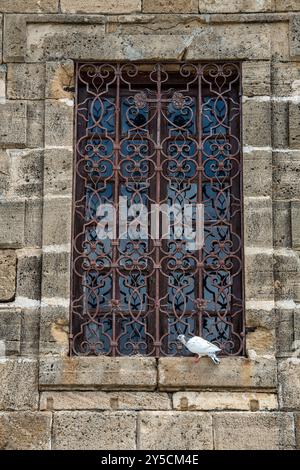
(167,374)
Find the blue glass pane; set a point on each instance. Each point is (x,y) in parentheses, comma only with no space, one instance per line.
(133,117)
(98,335)
(181,292)
(182,159)
(185,326)
(133,158)
(133,337)
(216,159)
(133,291)
(102,116)
(217,291)
(184,119)
(100,162)
(216,200)
(214,115)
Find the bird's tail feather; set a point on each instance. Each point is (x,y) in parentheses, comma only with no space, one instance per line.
(215,359)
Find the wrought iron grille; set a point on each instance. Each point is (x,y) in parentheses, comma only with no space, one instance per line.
(165,132)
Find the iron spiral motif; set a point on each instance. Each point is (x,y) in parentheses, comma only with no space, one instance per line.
(157,133)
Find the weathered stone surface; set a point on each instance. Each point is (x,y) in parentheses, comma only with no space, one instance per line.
(236,372)
(100,6)
(33,226)
(282,226)
(29,275)
(87,430)
(29,343)
(10,330)
(259,277)
(3,70)
(256,123)
(168,6)
(4,172)
(260,315)
(57,221)
(258,221)
(56,275)
(297,426)
(257,172)
(35,124)
(112,401)
(60,80)
(58,167)
(206,401)
(295,36)
(262,341)
(287,5)
(280,127)
(25,173)
(256,77)
(25,431)
(234,41)
(90,373)
(289,379)
(29,6)
(285,326)
(239,6)
(286,79)
(13,124)
(295,215)
(253,431)
(189,431)
(25,81)
(54,330)
(18,378)
(12,224)
(294,125)
(8,264)
(59,123)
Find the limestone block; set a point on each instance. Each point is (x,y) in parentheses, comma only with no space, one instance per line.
(10,330)
(25,431)
(285,331)
(13,124)
(295,36)
(14,38)
(101,6)
(59,123)
(189,431)
(294,125)
(8,264)
(254,431)
(91,373)
(4,172)
(30,332)
(256,78)
(3,70)
(25,81)
(12,216)
(19,387)
(29,276)
(257,173)
(112,401)
(280,49)
(289,379)
(60,80)
(57,221)
(30,6)
(91,430)
(295,215)
(56,275)
(231,41)
(258,221)
(33,226)
(286,79)
(35,124)
(282,224)
(262,341)
(259,278)
(58,171)
(206,401)
(287,5)
(167,6)
(54,330)
(260,315)
(236,372)
(25,173)
(256,123)
(280,124)
(297,425)
(239,6)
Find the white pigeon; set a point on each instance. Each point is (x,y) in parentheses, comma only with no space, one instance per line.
(201,347)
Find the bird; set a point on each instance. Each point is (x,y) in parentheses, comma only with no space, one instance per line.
(201,347)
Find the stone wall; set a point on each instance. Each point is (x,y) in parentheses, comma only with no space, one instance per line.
(48,400)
